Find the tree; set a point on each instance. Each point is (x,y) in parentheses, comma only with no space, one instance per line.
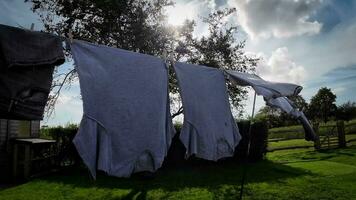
(132,25)
(300,104)
(140,25)
(322,106)
(346,111)
(271,116)
(276,117)
(220,49)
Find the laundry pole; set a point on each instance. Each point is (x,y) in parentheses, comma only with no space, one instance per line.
(248,147)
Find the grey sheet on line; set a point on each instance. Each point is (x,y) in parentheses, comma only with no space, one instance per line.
(274,95)
(265,88)
(209,130)
(288,106)
(126,126)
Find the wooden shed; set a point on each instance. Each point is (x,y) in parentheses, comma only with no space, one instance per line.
(10,129)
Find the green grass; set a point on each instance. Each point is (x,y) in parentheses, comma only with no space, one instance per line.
(288,174)
(299,143)
(290,143)
(295,132)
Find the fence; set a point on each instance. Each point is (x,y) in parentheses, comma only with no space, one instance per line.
(334,138)
(336,135)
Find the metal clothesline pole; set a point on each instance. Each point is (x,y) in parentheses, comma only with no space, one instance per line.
(248,148)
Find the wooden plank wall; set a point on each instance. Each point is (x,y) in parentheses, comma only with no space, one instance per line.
(4,156)
(3,130)
(35,129)
(5,151)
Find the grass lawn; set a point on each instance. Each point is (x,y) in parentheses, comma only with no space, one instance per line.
(290,143)
(297,131)
(288,174)
(298,142)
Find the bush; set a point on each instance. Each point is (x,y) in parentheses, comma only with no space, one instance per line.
(67,154)
(258,146)
(66,151)
(346,111)
(258,141)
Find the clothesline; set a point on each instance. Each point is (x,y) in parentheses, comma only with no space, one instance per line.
(70,39)
(128,138)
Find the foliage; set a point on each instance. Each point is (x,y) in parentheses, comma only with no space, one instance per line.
(258,140)
(346,111)
(133,25)
(51,132)
(271,115)
(277,118)
(258,145)
(66,152)
(140,26)
(322,106)
(219,49)
(299,102)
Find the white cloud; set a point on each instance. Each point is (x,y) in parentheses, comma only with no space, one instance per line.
(193,10)
(68,109)
(339,90)
(336,49)
(277,18)
(279,67)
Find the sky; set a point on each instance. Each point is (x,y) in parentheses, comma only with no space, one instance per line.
(307,42)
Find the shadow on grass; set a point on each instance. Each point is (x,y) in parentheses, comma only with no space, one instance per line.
(310,156)
(209,177)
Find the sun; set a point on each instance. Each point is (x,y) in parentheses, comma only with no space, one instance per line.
(177,14)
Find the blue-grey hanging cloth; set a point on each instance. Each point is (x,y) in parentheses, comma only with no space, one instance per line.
(27,61)
(209,130)
(275,95)
(126,126)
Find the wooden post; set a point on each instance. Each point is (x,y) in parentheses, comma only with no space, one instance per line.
(317,144)
(341,133)
(7,136)
(14,162)
(27,162)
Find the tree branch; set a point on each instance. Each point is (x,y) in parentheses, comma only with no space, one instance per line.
(180,111)
(52,99)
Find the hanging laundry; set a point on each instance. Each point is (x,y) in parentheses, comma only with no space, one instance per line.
(265,88)
(209,130)
(288,106)
(27,61)
(275,95)
(126,126)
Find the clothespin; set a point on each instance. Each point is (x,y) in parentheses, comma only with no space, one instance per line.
(70,36)
(32,27)
(227,76)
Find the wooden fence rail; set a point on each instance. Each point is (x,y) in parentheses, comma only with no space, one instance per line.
(334,137)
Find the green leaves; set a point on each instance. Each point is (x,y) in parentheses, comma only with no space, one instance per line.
(140,26)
